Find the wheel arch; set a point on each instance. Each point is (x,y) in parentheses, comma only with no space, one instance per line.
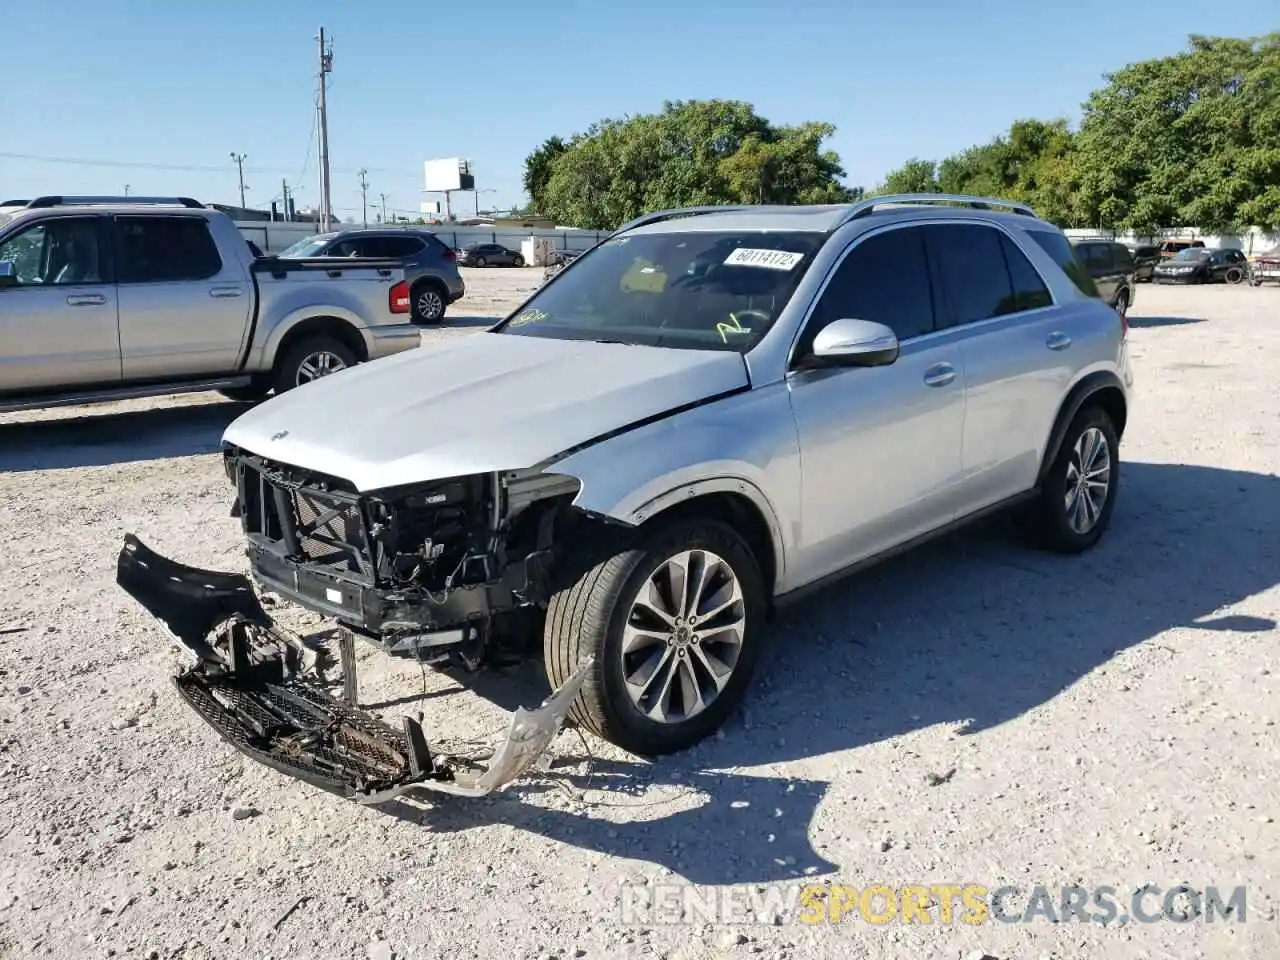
(736,503)
(341,330)
(1102,388)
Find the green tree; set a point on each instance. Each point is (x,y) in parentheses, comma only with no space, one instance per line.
(1187,140)
(537,170)
(914,176)
(691,153)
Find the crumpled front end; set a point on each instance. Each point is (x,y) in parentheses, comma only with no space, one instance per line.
(257,685)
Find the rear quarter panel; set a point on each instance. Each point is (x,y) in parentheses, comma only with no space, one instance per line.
(358,297)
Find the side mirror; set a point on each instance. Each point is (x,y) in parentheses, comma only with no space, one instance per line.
(854,343)
(8,274)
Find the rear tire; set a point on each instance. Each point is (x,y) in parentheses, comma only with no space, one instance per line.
(517,261)
(1074,507)
(1234,275)
(1122,302)
(429,304)
(310,359)
(692,675)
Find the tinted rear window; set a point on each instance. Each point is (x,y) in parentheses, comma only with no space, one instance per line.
(1058,247)
(1122,257)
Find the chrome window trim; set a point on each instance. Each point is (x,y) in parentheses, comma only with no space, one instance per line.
(924,337)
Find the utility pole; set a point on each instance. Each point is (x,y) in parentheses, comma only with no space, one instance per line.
(383,198)
(326,198)
(238,159)
(364,196)
(126,189)
(284,199)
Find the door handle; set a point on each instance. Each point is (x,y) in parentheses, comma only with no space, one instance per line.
(86,300)
(1057,341)
(221,292)
(939,375)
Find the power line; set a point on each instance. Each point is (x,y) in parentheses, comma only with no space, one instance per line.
(187,167)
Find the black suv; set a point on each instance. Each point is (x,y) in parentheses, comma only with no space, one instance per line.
(1145,257)
(1112,269)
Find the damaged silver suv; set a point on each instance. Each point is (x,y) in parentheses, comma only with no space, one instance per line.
(707,413)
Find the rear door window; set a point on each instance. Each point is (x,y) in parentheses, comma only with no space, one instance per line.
(1059,249)
(971,267)
(165,249)
(1121,258)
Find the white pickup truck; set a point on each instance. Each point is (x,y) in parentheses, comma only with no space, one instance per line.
(106,298)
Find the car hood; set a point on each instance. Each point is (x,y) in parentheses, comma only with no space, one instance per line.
(482,403)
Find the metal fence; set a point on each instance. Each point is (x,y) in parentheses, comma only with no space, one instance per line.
(274,237)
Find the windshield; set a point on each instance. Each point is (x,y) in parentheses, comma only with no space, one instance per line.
(306,247)
(692,290)
(1191,253)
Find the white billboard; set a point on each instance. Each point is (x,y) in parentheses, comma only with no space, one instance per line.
(429,206)
(447,175)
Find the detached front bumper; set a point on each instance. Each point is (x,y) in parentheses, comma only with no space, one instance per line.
(255,684)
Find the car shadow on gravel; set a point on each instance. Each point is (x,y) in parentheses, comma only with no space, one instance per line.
(966,634)
(100,439)
(1143,322)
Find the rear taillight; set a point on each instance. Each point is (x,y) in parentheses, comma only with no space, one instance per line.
(450,256)
(398,298)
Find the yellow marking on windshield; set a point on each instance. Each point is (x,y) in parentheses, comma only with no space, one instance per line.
(734,325)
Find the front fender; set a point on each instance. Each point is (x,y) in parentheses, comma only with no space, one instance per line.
(744,444)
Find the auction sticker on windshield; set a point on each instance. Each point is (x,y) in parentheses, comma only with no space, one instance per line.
(773,259)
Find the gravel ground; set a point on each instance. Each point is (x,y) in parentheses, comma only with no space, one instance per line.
(975,713)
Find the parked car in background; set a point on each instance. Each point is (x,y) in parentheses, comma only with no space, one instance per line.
(1145,257)
(429,264)
(106,298)
(1265,266)
(1169,248)
(626,492)
(1111,267)
(1201,265)
(489,255)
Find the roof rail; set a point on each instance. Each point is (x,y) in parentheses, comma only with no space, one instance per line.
(657,216)
(14,203)
(57,201)
(865,207)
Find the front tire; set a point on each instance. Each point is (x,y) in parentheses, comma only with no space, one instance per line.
(481,262)
(1122,302)
(674,620)
(311,359)
(1079,491)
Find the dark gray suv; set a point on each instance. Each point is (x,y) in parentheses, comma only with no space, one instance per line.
(430,265)
(1112,269)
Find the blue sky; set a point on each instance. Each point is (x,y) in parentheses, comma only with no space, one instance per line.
(159,95)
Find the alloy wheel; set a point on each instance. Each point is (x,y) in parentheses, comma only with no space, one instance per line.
(430,304)
(317,365)
(1088,481)
(683,636)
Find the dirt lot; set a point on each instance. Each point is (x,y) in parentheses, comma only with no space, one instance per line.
(1110,720)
